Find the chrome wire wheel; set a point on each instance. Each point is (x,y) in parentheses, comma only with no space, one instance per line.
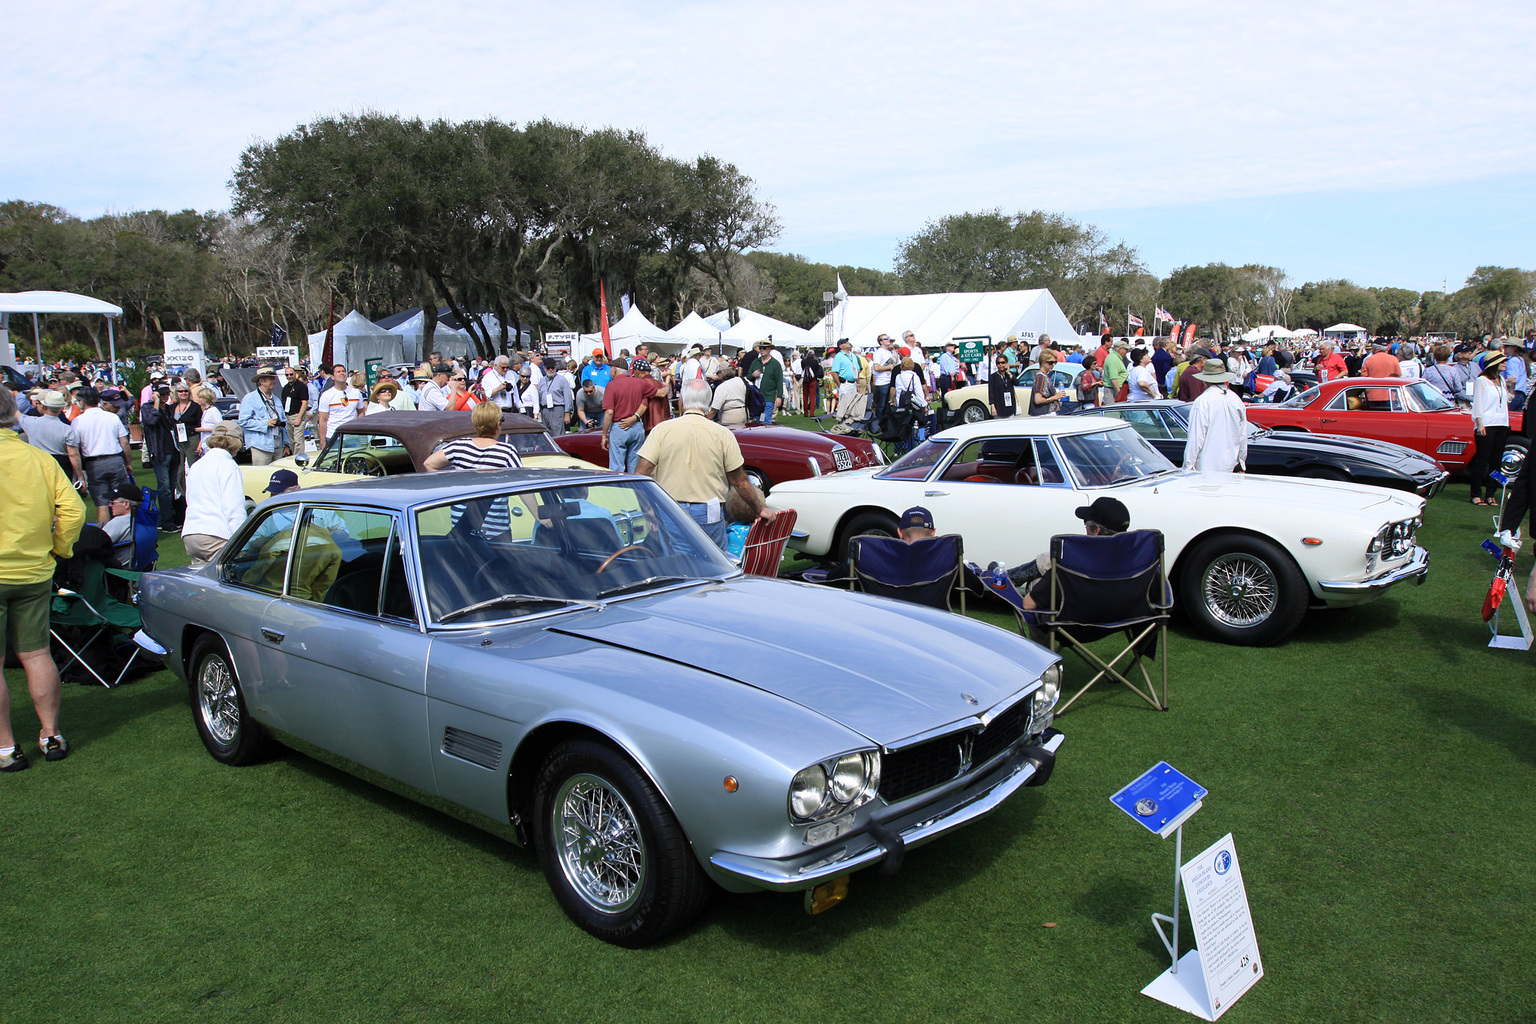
(598,843)
(1240,590)
(218,700)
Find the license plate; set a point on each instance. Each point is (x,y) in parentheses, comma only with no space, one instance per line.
(841,459)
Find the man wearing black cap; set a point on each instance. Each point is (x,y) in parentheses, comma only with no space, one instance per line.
(1104,518)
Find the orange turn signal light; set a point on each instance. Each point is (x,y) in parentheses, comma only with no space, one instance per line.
(1311,542)
(731,784)
(826,895)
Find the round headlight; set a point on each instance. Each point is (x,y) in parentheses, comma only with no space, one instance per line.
(808,791)
(1050,686)
(848,778)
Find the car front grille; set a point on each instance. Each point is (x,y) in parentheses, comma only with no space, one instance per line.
(1451,448)
(931,763)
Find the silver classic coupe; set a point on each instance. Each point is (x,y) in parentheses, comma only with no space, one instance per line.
(568,655)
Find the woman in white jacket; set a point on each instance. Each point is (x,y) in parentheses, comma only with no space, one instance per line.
(215,496)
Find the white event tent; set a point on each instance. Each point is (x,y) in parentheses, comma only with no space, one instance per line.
(356,339)
(1266,332)
(36,302)
(694,330)
(948,316)
(631,329)
(1353,331)
(446,342)
(752,327)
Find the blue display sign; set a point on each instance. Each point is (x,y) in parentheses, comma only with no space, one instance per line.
(1161,799)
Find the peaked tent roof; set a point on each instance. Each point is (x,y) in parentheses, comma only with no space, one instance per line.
(720,320)
(1345,329)
(1267,331)
(752,327)
(947,316)
(353,325)
(694,328)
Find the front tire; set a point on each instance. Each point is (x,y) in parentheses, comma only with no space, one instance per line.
(218,706)
(1243,590)
(759,480)
(880,524)
(613,852)
(973,412)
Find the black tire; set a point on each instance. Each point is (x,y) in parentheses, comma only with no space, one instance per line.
(218,706)
(1242,590)
(637,882)
(759,479)
(973,412)
(881,524)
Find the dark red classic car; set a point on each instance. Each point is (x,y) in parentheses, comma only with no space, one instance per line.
(772,454)
(1406,412)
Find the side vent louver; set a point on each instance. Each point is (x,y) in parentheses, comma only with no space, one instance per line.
(466,746)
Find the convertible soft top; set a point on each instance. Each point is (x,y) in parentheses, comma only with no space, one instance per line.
(422,432)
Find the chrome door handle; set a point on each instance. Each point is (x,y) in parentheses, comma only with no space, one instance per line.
(272,635)
(935,494)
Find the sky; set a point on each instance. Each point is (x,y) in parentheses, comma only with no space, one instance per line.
(1387,143)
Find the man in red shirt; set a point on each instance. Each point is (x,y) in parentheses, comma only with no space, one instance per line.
(624,402)
(1330,365)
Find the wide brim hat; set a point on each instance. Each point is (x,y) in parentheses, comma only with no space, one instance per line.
(383,385)
(1494,360)
(265,371)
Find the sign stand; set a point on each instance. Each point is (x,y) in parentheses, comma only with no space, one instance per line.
(1513,643)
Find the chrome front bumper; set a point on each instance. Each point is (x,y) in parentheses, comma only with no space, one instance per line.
(1416,568)
(883,839)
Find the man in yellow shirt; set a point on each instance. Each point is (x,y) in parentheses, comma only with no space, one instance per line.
(696,460)
(40,516)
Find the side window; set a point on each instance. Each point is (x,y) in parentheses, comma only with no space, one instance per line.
(339,557)
(1046,466)
(262,558)
(1145,422)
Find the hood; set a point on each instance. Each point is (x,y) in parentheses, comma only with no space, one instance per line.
(789,439)
(1360,447)
(884,669)
(1305,496)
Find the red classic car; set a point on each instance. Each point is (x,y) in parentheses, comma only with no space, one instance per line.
(1406,412)
(772,454)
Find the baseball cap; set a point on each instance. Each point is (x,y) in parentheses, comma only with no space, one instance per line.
(1107,512)
(281,481)
(129,492)
(916,516)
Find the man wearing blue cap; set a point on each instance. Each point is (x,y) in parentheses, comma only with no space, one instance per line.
(283,481)
(916,524)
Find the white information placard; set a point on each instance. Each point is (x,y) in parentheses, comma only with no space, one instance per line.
(1218,910)
(286,353)
(185,348)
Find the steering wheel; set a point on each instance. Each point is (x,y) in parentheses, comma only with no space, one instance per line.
(626,548)
(363,464)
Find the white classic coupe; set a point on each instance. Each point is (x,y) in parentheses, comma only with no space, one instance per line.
(1247,554)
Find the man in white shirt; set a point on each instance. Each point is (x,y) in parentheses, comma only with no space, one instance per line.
(103,451)
(1218,426)
(881,361)
(536,369)
(693,369)
(434,393)
(341,404)
(500,384)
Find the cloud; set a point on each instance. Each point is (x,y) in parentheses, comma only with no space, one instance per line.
(856,119)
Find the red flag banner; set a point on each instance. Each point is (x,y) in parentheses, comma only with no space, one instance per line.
(328,352)
(1189,334)
(602,315)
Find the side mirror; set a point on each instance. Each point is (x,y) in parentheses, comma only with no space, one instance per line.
(301,460)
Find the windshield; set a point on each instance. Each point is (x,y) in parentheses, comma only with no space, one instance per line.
(532,442)
(1109,457)
(917,463)
(1297,401)
(531,551)
(1429,397)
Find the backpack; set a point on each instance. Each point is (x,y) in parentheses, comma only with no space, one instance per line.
(756,403)
(1250,382)
(812,367)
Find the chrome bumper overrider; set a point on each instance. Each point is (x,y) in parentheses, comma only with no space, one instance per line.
(888,838)
(1415,569)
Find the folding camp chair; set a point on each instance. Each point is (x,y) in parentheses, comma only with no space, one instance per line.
(1100,586)
(92,612)
(764,548)
(146,532)
(923,572)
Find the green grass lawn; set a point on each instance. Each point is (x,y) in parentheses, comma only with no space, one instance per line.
(1378,773)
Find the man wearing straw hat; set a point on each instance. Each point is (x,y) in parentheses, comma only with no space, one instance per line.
(265,427)
(1218,434)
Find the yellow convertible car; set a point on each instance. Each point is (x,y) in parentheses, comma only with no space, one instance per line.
(392,443)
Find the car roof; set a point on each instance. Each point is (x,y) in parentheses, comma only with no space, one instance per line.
(1032,426)
(412,489)
(420,431)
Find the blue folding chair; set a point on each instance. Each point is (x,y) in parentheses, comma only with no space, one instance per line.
(1097,587)
(923,572)
(146,532)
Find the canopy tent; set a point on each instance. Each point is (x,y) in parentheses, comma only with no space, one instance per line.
(446,341)
(720,321)
(60,302)
(631,329)
(1303,332)
(752,327)
(949,316)
(357,340)
(1346,331)
(695,330)
(1267,332)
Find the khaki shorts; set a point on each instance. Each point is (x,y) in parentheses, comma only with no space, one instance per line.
(24,615)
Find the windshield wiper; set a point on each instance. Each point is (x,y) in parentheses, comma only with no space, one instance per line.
(511,600)
(642,584)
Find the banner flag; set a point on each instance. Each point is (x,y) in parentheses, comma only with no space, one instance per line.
(328,351)
(1189,334)
(1132,320)
(278,333)
(602,318)
(1103,323)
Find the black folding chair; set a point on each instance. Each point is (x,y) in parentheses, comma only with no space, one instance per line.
(923,572)
(1100,586)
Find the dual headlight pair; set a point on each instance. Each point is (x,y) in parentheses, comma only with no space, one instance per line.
(1395,539)
(829,788)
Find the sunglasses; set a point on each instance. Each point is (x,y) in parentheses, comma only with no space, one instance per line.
(459,378)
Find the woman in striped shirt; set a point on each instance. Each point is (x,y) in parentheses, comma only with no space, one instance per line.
(482,450)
